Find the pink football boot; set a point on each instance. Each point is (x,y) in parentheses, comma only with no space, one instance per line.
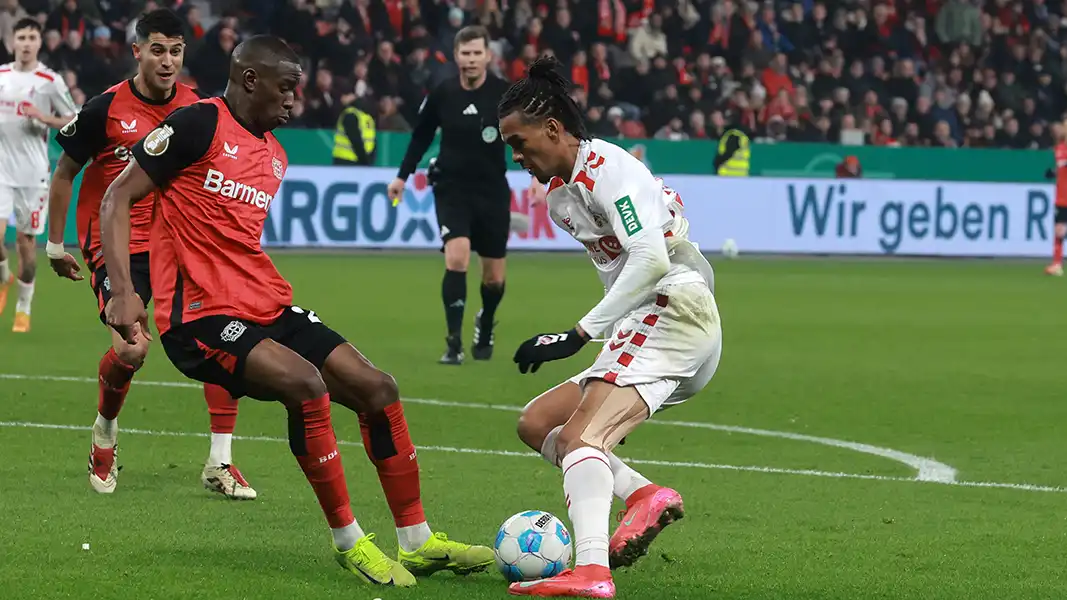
(648,511)
(587,581)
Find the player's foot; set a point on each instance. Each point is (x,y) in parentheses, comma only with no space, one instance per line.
(4,286)
(228,481)
(439,554)
(588,581)
(1055,269)
(103,475)
(367,562)
(454,353)
(648,511)
(22,323)
(482,346)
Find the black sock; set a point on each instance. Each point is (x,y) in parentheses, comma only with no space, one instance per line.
(492,294)
(454,296)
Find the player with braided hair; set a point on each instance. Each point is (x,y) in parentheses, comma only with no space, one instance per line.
(658,318)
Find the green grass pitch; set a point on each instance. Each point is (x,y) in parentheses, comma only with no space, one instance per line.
(948,370)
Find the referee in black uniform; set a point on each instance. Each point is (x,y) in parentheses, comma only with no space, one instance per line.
(470,189)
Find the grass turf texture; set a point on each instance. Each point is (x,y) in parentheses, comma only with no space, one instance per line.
(957,361)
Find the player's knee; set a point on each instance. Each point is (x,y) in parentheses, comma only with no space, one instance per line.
(533,428)
(383,392)
(301,385)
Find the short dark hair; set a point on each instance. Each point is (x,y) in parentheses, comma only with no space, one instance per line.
(162,21)
(27,23)
(544,93)
(471,33)
(265,49)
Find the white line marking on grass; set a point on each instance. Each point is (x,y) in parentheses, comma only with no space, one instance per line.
(927,469)
(511,453)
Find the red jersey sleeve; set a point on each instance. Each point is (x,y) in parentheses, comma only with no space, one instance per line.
(86,136)
(181,139)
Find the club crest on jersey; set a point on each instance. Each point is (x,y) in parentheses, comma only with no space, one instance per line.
(233,331)
(279,168)
(70,128)
(158,141)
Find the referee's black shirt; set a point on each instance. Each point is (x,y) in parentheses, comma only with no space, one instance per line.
(471,148)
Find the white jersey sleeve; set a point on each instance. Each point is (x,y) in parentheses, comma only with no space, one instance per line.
(60,98)
(632,199)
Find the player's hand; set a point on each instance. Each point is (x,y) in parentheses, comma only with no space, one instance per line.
(66,266)
(31,111)
(126,314)
(537,193)
(396,190)
(547,346)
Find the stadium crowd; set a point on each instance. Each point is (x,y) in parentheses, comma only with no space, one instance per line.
(948,73)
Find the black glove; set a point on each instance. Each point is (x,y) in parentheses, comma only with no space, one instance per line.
(547,346)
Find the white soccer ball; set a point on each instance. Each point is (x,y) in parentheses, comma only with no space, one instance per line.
(729,248)
(532,545)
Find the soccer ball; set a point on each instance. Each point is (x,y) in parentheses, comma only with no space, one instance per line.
(729,248)
(532,545)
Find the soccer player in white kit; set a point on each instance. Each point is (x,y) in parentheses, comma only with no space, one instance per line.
(33,100)
(658,317)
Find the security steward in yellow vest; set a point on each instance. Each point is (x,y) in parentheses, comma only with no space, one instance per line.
(354,139)
(732,158)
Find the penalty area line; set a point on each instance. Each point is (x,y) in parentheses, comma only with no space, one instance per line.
(534,455)
(927,469)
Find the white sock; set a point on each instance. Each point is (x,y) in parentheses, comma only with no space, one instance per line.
(5,270)
(25,297)
(344,538)
(412,538)
(220,449)
(109,431)
(627,481)
(587,483)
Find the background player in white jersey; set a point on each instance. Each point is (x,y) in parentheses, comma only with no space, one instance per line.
(33,99)
(659,316)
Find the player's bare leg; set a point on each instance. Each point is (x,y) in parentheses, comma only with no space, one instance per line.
(274,372)
(116,370)
(27,251)
(606,414)
(454,296)
(493,270)
(220,474)
(649,507)
(357,384)
(7,277)
(1056,266)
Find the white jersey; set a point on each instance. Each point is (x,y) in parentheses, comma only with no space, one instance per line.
(611,199)
(24,141)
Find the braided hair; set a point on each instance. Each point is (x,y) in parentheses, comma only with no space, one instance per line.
(543,93)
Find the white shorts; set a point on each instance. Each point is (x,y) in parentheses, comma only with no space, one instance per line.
(30,206)
(668,349)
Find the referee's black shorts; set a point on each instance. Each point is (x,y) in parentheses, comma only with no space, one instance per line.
(478,211)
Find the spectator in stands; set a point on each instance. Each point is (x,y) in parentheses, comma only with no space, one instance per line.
(388,117)
(68,17)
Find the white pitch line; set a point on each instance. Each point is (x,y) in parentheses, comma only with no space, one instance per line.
(512,453)
(927,469)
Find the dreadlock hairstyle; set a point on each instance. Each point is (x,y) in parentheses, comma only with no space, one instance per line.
(543,93)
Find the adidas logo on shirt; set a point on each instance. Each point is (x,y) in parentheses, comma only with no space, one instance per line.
(470,110)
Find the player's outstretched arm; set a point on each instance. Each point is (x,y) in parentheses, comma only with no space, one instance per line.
(125,312)
(60,192)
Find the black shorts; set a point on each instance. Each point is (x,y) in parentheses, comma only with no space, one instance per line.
(1061,214)
(481,213)
(214,349)
(139,273)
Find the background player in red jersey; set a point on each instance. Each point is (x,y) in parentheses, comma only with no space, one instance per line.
(104,131)
(1059,130)
(225,314)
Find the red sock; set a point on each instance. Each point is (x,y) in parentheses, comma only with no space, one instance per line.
(1057,251)
(222,408)
(312,441)
(388,444)
(115,377)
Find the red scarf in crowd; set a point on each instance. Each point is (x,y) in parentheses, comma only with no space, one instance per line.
(611,21)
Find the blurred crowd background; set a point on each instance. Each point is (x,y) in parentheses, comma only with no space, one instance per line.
(890,72)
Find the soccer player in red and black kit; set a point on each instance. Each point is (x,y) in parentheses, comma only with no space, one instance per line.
(103,132)
(225,314)
(1060,173)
